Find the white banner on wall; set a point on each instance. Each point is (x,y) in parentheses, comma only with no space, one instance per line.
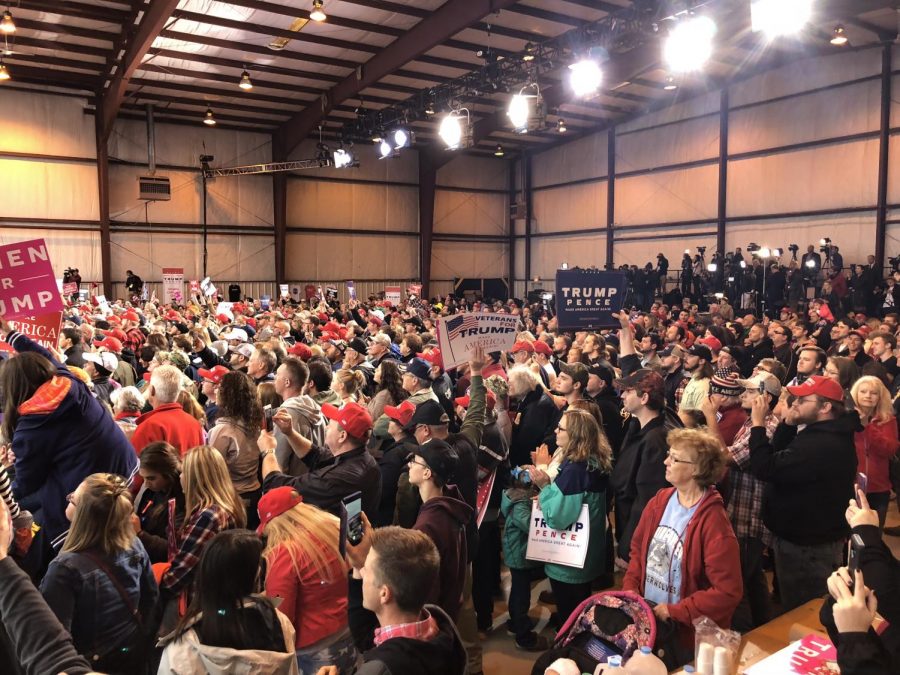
(173,284)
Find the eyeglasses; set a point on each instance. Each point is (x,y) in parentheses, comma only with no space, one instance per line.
(801,400)
(677,460)
(413,461)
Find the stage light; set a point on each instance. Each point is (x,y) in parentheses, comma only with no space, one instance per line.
(7,25)
(687,250)
(526,111)
(209,119)
(518,112)
(429,109)
(810,263)
(530,50)
(743,265)
(385,149)
(690,44)
(245,82)
(342,159)
(839,37)
(318,11)
(670,85)
(561,126)
(764,252)
(498,152)
(585,77)
(4,73)
(780,17)
(776,252)
(402,138)
(712,267)
(456,131)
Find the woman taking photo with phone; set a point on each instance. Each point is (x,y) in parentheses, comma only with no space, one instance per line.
(306,570)
(237,427)
(876,443)
(100,586)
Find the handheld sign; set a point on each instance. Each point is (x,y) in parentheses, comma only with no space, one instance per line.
(42,329)
(587,299)
(460,334)
(562,547)
(27,283)
(392,295)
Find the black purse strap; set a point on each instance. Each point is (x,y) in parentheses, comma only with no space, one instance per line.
(101,565)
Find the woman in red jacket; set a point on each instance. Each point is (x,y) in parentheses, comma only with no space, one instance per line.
(877,442)
(684,555)
(307,571)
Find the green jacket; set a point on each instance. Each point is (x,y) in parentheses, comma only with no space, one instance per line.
(515,505)
(561,505)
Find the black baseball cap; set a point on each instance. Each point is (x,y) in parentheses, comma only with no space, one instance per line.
(430,413)
(440,457)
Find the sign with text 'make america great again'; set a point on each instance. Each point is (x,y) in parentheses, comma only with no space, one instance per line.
(587,299)
(27,283)
(460,334)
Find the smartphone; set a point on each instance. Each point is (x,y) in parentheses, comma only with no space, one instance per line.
(856,546)
(862,482)
(353,525)
(268,412)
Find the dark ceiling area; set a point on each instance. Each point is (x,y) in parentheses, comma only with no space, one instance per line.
(310,77)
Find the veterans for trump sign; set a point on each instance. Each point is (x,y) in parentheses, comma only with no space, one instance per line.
(562,547)
(460,334)
(27,284)
(588,299)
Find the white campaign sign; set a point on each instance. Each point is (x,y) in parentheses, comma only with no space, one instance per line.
(562,547)
(460,334)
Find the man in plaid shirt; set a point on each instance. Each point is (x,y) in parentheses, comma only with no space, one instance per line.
(745,494)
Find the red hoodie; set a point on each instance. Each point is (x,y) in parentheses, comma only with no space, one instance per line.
(711,583)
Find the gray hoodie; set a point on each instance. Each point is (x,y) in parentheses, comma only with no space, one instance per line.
(309,423)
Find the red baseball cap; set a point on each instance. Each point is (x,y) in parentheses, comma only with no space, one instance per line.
(131,316)
(222,318)
(712,342)
(116,333)
(301,350)
(215,374)
(522,346)
(332,327)
(353,417)
(541,347)
(374,318)
(402,413)
(465,400)
(274,503)
(434,357)
(818,385)
(110,343)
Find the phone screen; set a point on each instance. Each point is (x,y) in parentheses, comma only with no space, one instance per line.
(268,412)
(862,482)
(352,528)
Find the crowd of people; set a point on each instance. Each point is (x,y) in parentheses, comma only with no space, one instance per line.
(175,481)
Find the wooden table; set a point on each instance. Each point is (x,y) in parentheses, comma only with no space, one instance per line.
(770,637)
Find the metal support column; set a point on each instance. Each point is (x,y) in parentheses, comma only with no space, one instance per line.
(610,197)
(883,148)
(103,196)
(279,203)
(427,182)
(511,201)
(724,106)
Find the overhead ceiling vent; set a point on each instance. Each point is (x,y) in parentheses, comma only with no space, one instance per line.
(155,188)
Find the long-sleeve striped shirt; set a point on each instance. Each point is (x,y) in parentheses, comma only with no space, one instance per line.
(197,531)
(745,503)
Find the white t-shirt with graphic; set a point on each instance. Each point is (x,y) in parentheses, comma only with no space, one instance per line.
(662,581)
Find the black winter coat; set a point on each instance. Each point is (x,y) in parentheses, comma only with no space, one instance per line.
(533,424)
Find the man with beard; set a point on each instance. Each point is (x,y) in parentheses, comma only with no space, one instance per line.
(698,363)
(810,476)
(838,334)
(648,345)
(757,346)
(561,346)
(782,350)
(672,361)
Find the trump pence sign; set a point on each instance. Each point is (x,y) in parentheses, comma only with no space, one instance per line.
(27,284)
(587,299)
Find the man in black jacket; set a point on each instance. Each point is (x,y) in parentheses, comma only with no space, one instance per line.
(809,476)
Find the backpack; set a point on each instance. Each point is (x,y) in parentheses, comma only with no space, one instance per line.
(607,623)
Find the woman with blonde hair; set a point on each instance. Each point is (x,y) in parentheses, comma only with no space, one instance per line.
(348,384)
(192,407)
(877,442)
(583,478)
(306,570)
(101,587)
(211,505)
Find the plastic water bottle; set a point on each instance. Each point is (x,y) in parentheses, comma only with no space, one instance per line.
(645,662)
(613,665)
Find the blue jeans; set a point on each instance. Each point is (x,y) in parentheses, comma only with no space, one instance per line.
(337,650)
(803,570)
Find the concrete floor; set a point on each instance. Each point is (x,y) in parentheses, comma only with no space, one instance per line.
(500,654)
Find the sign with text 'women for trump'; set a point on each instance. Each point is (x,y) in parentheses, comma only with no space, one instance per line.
(587,299)
(27,283)
(562,547)
(460,334)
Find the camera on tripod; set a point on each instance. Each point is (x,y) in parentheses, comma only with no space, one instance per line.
(825,245)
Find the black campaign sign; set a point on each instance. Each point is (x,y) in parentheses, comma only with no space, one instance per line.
(588,299)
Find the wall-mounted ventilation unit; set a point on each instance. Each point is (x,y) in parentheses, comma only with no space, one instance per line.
(155,188)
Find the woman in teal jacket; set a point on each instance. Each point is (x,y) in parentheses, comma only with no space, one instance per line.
(582,479)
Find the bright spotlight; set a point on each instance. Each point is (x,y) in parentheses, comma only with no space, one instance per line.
(764,252)
(402,139)
(526,111)
(780,17)
(776,252)
(456,131)
(342,158)
(690,44)
(384,149)
(743,265)
(585,77)
(518,112)
(810,263)
(712,267)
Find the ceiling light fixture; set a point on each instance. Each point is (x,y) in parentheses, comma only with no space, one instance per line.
(780,17)
(561,126)
(318,11)
(7,25)
(527,111)
(455,131)
(385,149)
(671,84)
(4,73)
(585,77)
(342,158)
(402,138)
(530,50)
(245,82)
(498,152)
(209,119)
(690,44)
(839,37)
(429,109)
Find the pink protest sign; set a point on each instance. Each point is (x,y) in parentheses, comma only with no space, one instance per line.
(27,283)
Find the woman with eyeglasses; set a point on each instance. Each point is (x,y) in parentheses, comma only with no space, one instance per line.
(583,478)
(684,554)
(100,586)
(877,442)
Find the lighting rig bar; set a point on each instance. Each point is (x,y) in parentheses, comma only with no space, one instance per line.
(273,167)
(616,32)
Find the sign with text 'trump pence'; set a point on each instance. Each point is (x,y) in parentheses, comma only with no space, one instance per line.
(460,334)
(27,283)
(587,299)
